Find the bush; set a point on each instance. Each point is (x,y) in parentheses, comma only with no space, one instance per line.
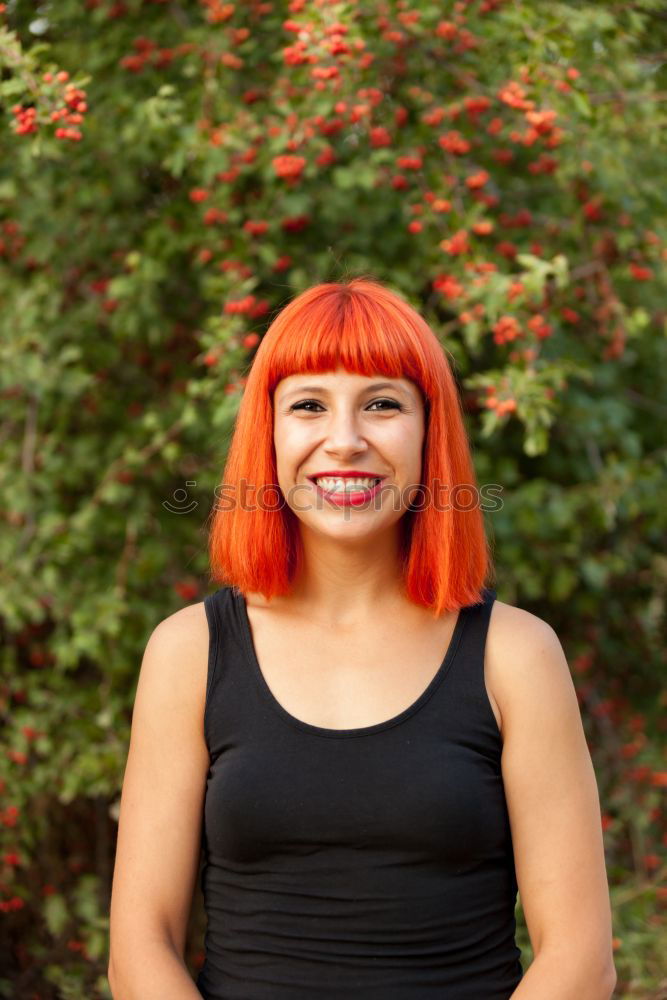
(171,174)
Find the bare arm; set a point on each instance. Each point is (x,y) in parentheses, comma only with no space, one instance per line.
(162,976)
(554,811)
(161,813)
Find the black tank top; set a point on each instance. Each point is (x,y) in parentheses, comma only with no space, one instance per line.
(373,863)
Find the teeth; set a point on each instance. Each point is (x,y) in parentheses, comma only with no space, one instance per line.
(345,485)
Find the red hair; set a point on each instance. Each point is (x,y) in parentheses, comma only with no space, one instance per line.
(367,329)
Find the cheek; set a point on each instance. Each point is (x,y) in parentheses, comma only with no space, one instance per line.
(290,443)
(407,445)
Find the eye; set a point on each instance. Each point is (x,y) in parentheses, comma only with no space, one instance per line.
(304,404)
(391,403)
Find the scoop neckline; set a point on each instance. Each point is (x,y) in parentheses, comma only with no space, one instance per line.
(377,727)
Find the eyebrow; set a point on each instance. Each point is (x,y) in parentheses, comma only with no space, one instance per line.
(374,387)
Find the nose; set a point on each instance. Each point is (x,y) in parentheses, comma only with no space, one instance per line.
(343,437)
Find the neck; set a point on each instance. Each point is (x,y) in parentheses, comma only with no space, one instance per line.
(345,585)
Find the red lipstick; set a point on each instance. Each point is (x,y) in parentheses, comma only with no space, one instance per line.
(348,499)
(348,474)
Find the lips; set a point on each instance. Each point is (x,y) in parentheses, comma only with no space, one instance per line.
(341,498)
(352,474)
(345,475)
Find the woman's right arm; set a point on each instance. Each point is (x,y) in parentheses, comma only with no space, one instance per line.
(161,815)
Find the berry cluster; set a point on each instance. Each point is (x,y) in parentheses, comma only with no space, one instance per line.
(25,119)
(72,110)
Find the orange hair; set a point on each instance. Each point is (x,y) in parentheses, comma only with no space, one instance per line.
(367,329)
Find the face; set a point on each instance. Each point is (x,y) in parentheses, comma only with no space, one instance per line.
(339,422)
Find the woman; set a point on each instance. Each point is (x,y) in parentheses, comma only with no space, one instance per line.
(372,750)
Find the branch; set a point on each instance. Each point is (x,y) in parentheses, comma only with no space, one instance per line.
(28,461)
(638,890)
(647,404)
(624,95)
(146,452)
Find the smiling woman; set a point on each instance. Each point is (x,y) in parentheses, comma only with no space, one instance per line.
(374,753)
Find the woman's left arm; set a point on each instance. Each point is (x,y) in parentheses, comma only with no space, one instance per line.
(554,810)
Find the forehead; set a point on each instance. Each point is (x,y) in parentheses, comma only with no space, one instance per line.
(342,381)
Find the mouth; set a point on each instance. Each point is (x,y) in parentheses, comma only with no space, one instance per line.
(336,484)
(348,491)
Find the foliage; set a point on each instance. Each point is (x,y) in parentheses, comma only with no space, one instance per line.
(171,174)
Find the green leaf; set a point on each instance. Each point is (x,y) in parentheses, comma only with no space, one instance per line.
(535,442)
(55,913)
(581,103)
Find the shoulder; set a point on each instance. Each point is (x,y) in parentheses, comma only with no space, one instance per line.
(524,660)
(186,624)
(175,660)
(514,629)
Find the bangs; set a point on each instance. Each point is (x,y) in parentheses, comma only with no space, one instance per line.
(342,327)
